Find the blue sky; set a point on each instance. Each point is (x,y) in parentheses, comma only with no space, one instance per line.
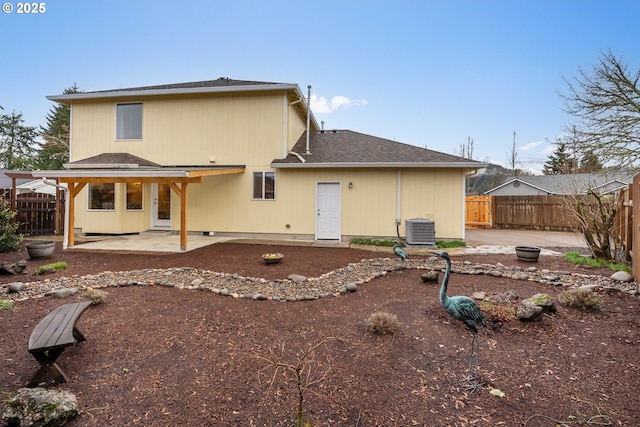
(426,73)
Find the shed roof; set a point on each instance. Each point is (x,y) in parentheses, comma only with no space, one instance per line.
(346,148)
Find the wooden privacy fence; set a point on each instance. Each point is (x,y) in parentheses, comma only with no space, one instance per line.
(479,212)
(38,213)
(521,212)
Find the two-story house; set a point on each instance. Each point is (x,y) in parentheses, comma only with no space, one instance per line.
(244,158)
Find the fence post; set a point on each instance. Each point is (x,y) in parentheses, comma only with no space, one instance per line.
(635,253)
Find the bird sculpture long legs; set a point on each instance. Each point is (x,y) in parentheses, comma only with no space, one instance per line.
(471,382)
(466,310)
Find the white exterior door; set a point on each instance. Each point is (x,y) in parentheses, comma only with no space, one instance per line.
(160,206)
(328,220)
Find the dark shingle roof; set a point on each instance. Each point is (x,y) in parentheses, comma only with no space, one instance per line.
(220,82)
(345,148)
(112,160)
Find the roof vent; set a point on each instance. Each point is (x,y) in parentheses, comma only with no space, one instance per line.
(420,231)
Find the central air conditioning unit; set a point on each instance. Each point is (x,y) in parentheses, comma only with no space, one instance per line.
(421,231)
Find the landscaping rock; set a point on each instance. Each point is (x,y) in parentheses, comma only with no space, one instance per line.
(297,278)
(430,276)
(526,310)
(63,293)
(16,287)
(503,298)
(479,295)
(622,276)
(18,267)
(589,288)
(39,407)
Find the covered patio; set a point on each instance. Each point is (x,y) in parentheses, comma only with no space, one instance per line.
(177,178)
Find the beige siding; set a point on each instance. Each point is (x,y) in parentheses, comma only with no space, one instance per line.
(223,204)
(117,221)
(235,129)
(252,129)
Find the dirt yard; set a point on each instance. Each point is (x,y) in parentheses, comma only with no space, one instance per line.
(161,356)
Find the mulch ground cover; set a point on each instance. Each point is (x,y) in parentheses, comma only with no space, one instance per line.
(161,356)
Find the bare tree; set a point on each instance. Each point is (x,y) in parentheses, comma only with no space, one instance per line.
(512,157)
(606,105)
(466,150)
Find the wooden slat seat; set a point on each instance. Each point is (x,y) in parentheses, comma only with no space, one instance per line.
(51,336)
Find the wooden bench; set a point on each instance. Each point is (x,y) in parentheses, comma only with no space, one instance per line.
(51,336)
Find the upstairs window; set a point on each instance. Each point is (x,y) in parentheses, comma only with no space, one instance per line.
(129,121)
(102,196)
(264,185)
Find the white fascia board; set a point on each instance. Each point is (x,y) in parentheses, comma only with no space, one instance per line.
(123,173)
(378,165)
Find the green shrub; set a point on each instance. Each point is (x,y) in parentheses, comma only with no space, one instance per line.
(580,298)
(451,244)
(6,304)
(382,322)
(56,266)
(579,259)
(9,236)
(372,242)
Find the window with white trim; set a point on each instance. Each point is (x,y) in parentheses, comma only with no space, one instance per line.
(264,185)
(134,196)
(102,196)
(129,121)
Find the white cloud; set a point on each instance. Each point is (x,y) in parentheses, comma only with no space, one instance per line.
(322,105)
(531,145)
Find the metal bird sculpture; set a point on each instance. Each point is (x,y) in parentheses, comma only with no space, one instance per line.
(466,310)
(401,253)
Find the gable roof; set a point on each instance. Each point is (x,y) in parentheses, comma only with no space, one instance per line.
(345,148)
(571,183)
(219,85)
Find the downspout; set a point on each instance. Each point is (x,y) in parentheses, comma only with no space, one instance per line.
(65,239)
(285,148)
(398,201)
(308,116)
(285,125)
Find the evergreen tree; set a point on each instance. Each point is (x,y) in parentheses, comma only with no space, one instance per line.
(54,151)
(590,163)
(17,142)
(560,161)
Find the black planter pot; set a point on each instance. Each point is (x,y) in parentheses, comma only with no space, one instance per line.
(40,249)
(527,253)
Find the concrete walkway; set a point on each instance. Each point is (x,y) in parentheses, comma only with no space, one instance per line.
(478,241)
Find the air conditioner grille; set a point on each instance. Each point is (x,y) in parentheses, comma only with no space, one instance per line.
(420,231)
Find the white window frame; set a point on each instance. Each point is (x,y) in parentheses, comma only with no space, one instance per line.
(124,130)
(107,208)
(126,201)
(262,185)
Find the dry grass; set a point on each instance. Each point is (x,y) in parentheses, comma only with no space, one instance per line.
(382,322)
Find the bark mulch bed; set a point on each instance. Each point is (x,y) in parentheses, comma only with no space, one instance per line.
(158,356)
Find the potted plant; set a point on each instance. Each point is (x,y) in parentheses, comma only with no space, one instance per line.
(527,253)
(272,258)
(40,249)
